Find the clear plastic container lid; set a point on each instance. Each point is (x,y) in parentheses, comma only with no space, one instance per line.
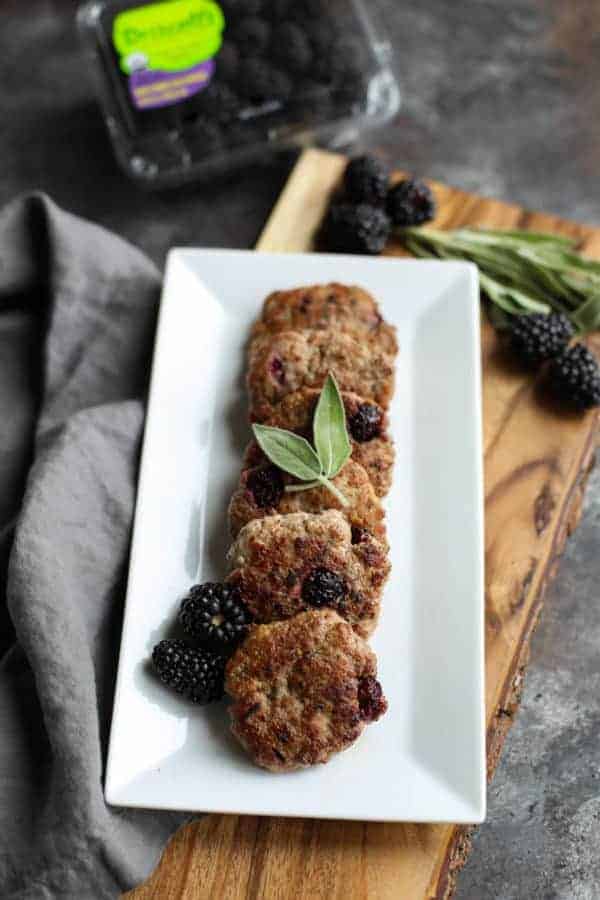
(194,87)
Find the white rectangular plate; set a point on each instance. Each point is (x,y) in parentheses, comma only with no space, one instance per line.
(425,760)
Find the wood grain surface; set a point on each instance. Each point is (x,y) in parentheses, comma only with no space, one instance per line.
(536,463)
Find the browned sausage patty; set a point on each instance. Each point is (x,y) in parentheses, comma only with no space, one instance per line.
(302,690)
(282,363)
(336,306)
(372,446)
(261,492)
(284,565)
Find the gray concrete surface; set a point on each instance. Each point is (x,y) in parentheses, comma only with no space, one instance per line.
(500,96)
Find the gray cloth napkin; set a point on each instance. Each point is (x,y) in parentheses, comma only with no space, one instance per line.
(77,316)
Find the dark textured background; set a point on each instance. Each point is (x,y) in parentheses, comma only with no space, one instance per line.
(501,97)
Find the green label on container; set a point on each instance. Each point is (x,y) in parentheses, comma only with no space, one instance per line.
(168,37)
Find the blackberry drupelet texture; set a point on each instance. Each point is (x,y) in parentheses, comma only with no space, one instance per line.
(366,422)
(291,48)
(536,338)
(356,229)
(366,180)
(219,103)
(259,81)
(251,35)
(215,616)
(266,486)
(410,202)
(574,378)
(323,588)
(371,702)
(197,675)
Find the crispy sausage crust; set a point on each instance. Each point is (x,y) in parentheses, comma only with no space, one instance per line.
(302,690)
(272,557)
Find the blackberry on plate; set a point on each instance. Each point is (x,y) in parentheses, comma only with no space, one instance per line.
(410,202)
(291,48)
(574,378)
(323,588)
(266,486)
(359,534)
(356,229)
(538,337)
(371,701)
(365,424)
(366,180)
(214,615)
(258,82)
(251,35)
(197,675)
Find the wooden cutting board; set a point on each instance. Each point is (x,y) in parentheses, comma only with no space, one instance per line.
(536,465)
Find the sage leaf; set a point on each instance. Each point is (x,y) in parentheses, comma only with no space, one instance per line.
(587,317)
(329,430)
(290,452)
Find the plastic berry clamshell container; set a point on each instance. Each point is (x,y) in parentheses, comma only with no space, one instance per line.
(193,88)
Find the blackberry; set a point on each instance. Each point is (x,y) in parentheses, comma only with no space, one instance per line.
(197,675)
(279,10)
(345,58)
(214,615)
(228,62)
(258,81)
(251,35)
(536,338)
(366,423)
(310,9)
(266,486)
(204,132)
(323,588)
(320,36)
(574,378)
(356,229)
(291,48)
(219,103)
(366,180)
(410,202)
(312,98)
(359,534)
(235,8)
(351,93)
(371,702)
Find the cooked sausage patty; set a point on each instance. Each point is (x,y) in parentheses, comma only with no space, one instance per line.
(302,690)
(284,565)
(336,306)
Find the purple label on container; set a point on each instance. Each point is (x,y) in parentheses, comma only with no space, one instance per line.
(151,89)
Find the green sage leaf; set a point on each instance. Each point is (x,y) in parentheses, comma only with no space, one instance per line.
(587,317)
(289,452)
(329,429)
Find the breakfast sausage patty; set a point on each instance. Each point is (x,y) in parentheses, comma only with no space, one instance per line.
(284,565)
(336,306)
(302,690)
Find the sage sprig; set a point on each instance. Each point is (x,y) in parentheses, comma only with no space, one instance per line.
(312,466)
(521,272)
